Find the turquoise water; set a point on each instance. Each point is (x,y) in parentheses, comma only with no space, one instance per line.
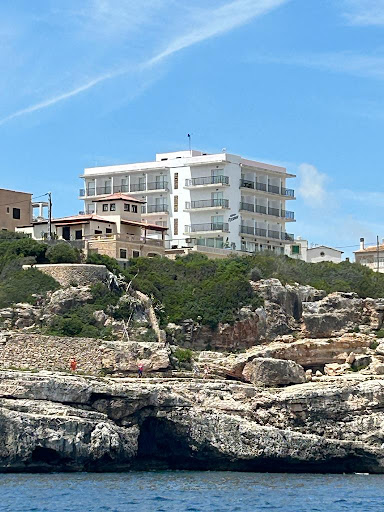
(180,491)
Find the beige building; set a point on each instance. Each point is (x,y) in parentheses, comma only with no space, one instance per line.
(371,256)
(115,229)
(15,209)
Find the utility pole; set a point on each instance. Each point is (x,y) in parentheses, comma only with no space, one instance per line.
(49,194)
(378,253)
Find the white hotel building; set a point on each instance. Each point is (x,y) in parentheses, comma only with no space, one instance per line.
(212,200)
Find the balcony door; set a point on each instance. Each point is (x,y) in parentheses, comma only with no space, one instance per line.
(216,175)
(217,222)
(217,198)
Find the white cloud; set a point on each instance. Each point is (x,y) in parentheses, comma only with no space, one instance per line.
(368,198)
(364,12)
(218,21)
(369,66)
(312,185)
(205,24)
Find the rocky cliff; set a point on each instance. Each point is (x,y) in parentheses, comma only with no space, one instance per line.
(51,422)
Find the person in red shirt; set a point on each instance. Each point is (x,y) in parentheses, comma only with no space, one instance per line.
(140,370)
(73,364)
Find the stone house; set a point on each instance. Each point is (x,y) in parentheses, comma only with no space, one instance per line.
(15,209)
(115,229)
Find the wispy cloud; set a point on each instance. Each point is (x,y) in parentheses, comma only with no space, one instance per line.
(205,24)
(364,12)
(218,21)
(61,97)
(368,66)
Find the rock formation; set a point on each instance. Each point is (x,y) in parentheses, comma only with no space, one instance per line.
(52,422)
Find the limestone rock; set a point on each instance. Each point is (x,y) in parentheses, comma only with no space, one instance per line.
(64,299)
(273,372)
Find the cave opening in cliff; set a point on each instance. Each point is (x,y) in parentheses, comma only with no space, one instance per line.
(160,446)
(46,456)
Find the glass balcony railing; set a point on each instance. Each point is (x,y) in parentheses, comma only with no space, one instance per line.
(157,208)
(264,187)
(213,226)
(207,180)
(208,203)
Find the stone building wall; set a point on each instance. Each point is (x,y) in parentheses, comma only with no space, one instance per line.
(37,352)
(74,273)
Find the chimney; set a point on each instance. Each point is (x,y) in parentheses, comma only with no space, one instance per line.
(361,244)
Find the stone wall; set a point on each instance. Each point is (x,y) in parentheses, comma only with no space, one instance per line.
(37,352)
(68,274)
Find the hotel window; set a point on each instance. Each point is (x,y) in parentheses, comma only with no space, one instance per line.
(175,226)
(123,254)
(134,208)
(105,207)
(126,207)
(176,203)
(112,207)
(16,213)
(135,254)
(176,181)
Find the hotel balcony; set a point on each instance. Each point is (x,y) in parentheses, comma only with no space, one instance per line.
(151,209)
(287,193)
(265,233)
(207,227)
(151,186)
(217,181)
(208,204)
(264,210)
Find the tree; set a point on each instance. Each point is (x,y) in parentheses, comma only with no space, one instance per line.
(62,253)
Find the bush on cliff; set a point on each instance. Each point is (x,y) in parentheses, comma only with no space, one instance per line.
(22,285)
(62,253)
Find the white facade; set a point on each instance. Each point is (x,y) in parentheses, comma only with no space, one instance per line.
(371,256)
(216,200)
(323,253)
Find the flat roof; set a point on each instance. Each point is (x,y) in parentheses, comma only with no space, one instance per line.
(118,196)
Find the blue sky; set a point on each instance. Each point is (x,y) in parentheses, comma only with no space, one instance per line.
(294,82)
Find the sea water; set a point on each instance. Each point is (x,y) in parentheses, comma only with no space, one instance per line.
(180,491)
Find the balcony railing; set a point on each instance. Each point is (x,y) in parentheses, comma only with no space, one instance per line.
(103,190)
(126,238)
(207,180)
(213,226)
(157,185)
(157,208)
(120,188)
(250,230)
(137,187)
(272,189)
(207,203)
(90,191)
(288,215)
(248,207)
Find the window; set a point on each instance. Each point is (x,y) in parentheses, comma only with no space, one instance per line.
(176,181)
(217,222)
(123,254)
(175,226)
(112,207)
(108,231)
(134,208)
(176,203)
(16,213)
(7,209)
(135,254)
(322,253)
(78,234)
(127,207)
(105,207)
(98,232)
(295,249)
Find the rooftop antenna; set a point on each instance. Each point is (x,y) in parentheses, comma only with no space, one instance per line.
(189,141)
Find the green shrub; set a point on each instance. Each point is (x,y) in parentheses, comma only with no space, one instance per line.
(101,259)
(62,253)
(20,286)
(149,336)
(380,333)
(255,274)
(183,355)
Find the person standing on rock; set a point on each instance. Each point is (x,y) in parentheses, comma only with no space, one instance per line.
(73,364)
(140,369)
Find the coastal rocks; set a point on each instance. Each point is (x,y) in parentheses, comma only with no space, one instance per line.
(64,299)
(273,372)
(36,352)
(332,314)
(53,422)
(21,315)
